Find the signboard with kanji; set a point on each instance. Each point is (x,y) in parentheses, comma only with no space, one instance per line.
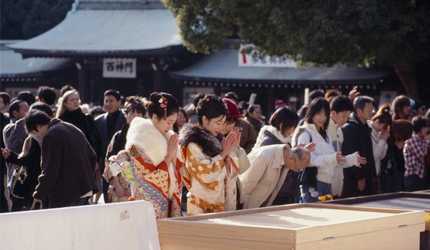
(250,56)
(119,68)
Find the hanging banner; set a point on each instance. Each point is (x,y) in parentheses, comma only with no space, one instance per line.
(119,68)
(250,56)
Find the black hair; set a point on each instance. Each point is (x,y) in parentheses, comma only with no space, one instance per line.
(47,94)
(26,96)
(162,105)
(184,113)
(283,119)
(15,105)
(114,93)
(6,98)
(66,88)
(315,107)
(136,105)
(252,108)
(42,107)
(210,106)
(401,130)
(36,118)
(232,95)
(361,101)
(317,93)
(341,104)
(399,103)
(197,98)
(243,106)
(419,123)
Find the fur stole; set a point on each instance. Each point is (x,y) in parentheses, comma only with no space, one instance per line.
(209,143)
(145,136)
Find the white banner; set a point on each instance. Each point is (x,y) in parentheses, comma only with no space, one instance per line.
(123,226)
(250,56)
(119,68)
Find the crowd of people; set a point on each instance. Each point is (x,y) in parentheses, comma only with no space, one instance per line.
(215,154)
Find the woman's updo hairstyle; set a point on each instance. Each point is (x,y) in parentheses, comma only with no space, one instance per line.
(383,115)
(162,105)
(210,106)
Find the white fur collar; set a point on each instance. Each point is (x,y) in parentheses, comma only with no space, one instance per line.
(144,135)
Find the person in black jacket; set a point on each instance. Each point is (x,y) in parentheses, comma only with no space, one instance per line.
(357,138)
(68,162)
(25,177)
(108,124)
(134,107)
(70,111)
(393,165)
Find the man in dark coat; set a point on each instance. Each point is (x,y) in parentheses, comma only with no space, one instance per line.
(108,124)
(68,172)
(134,107)
(357,138)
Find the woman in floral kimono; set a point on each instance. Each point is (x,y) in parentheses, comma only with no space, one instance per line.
(147,169)
(211,167)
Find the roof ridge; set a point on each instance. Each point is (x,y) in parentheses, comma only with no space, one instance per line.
(118,4)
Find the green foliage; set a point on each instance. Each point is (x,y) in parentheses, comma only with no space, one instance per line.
(328,32)
(23,19)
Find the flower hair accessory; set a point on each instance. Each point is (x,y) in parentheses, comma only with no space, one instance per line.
(163,104)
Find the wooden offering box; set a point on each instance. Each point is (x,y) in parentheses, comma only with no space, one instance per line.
(298,227)
(427,191)
(402,200)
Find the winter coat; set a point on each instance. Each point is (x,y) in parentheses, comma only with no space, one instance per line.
(260,184)
(68,165)
(87,125)
(357,138)
(102,128)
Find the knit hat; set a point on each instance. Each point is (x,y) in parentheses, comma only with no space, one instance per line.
(233,111)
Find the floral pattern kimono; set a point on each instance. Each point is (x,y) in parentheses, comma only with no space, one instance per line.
(210,180)
(141,166)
